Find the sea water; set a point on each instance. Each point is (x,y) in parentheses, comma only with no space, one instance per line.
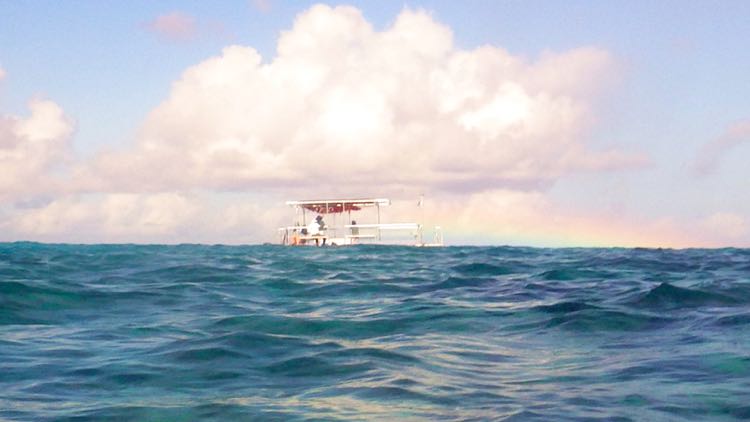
(188,332)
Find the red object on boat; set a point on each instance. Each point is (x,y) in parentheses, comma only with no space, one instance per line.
(336,206)
(331,208)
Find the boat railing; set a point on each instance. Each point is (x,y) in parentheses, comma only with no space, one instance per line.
(385,226)
(375,230)
(357,232)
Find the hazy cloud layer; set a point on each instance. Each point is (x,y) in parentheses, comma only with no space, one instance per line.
(709,157)
(345,104)
(145,218)
(499,216)
(518,217)
(727,225)
(114,217)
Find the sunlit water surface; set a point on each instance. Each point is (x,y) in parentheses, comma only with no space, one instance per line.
(123,332)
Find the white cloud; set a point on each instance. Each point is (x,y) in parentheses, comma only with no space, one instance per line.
(32,148)
(344,103)
(342,109)
(709,156)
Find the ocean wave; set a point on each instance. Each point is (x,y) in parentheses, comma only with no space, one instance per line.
(194,332)
(665,296)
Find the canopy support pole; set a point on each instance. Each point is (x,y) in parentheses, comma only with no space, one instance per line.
(378,207)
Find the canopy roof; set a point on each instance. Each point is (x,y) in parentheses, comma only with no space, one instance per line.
(334,206)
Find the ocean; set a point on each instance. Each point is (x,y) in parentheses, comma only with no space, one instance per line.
(193,332)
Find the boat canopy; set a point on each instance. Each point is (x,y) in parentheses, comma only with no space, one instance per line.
(335,206)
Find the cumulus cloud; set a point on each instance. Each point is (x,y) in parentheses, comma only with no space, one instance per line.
(347,104)
(174,26)
(32,148)
(710,155)
(343,108)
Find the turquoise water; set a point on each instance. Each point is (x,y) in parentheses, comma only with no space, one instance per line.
(124,332)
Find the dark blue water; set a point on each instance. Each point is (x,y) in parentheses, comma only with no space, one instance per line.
(373,333)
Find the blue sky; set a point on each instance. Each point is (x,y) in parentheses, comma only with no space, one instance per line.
(679,82)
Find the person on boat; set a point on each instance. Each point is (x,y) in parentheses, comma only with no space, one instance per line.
(315,227)
(320,221)
(295,234)
(355,232)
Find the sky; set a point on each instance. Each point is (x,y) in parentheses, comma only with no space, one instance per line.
(577,123)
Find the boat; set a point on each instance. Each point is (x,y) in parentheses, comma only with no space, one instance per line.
(347,227)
